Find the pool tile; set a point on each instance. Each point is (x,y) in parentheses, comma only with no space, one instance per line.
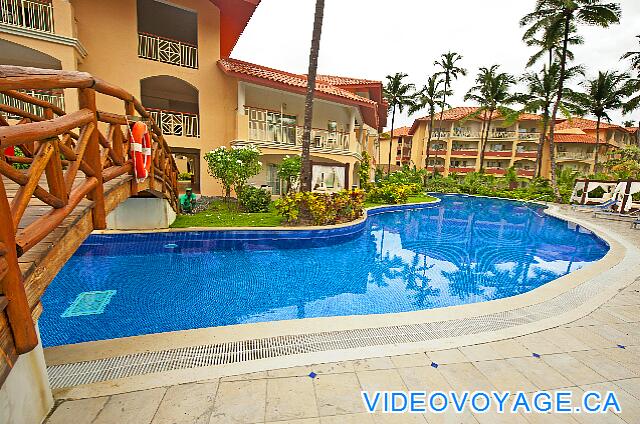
(539,373)
(465,376)
(380,380)
(448,356)
(187,404)
(80,411)
(382,363)
(411,360)
(504,376)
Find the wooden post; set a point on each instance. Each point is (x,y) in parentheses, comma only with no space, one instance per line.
(87,100)
(53,171)
(11,285)
(627,194)
(130,110)
(584,191)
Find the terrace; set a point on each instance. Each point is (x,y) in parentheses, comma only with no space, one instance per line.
(34,15)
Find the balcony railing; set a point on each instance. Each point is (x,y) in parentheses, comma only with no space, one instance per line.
(54,97)
(461,169)
(525,172)
(464,152)
(502,134)
(498,153)
(35,15)
(161,49)
(532,154)
(575,155)
(439,134)
(182,124)
(466,133)
(292,135)
(529,136)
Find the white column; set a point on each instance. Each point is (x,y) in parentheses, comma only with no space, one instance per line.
(241,98)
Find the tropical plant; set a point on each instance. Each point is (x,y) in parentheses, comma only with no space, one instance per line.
(324,209)
(624,163)
(550,44)
(289,170)
(552,14)
(492,93)
(399,95)
(628,123)
(429,97)
(364,171)
(450,71)
(254,199)
(233,167)
(602,94)
(314,51)
(634,85)
(634,57)
(541,91)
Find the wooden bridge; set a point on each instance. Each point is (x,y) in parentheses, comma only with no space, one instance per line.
(69,171)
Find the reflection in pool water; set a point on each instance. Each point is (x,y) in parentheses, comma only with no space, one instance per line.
(463,250)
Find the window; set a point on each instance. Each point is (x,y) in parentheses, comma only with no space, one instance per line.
(493,164)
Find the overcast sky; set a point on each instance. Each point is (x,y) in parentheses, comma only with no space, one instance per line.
(374,38)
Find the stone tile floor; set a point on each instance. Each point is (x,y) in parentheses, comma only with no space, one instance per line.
(579,356)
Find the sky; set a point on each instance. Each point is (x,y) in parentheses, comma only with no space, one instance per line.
(374,38)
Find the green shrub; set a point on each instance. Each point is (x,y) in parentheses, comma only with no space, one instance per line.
(406,176)
(325,209)
(184,176)
(390,193)
(254,199)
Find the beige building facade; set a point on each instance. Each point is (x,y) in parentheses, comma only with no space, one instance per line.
(174,56)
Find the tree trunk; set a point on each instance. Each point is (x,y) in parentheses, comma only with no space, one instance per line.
(595,160)
(556,106)
(545,123)
(426,163)
(444,102)
(393,121)
(305,176)
(484,139)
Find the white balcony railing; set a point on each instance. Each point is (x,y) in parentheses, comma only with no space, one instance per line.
(575,155)
(165,50)
(54,97)
(529,136)
(464,133)
(502,134)
(182,124)
(36,15)
(292,135)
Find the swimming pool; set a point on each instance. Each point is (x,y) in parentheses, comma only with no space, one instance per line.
(459,251)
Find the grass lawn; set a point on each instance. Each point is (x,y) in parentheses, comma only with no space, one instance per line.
(219,215)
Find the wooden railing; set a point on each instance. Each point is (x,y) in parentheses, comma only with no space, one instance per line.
(78,153)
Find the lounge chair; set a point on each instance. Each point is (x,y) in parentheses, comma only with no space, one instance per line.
(602,206)
(635,223)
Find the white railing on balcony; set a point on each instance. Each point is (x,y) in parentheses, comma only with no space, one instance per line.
(439,134)
(575,155)
(54,97)
(529,136)
(502,134)
(465,133)
(36,15)
(292,135)
(165,50)
(182,124)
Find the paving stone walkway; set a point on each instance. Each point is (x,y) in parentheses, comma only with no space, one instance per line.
(586,354)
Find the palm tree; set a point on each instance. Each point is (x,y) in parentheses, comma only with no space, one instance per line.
(602,94)
(491,92)
(634,56)
(541,90)
(305,173)
(449,71)
(399,96)
(628,123)
(429,97)
(565,13)
(550,44)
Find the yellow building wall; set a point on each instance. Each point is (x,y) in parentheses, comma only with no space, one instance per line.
(108,30)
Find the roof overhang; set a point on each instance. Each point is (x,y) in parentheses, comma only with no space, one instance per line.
(234,17)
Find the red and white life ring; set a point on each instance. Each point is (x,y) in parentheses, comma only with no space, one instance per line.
(141,150)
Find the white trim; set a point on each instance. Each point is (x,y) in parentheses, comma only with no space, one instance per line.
(45,36)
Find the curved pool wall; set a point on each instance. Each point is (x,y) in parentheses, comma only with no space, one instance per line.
(402,258)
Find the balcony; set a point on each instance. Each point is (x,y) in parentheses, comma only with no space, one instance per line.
(495,171)
(55,97)
(165,50)
(291,135)
(532,154)
(574,156)
(498,153)
(462,133)
(502,134)
(437,152)
(439,134)
(35,15)
(181,124)
(461,170)
(464,152)
(535,137)
(525,172)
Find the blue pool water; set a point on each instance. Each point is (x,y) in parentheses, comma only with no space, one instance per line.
(462,250)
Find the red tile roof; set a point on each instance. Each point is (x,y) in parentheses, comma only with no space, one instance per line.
(632,130)
(584,124)
(401,132)
(457,113)
(345,81)
(234,17)
(574,138)
(373,113)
